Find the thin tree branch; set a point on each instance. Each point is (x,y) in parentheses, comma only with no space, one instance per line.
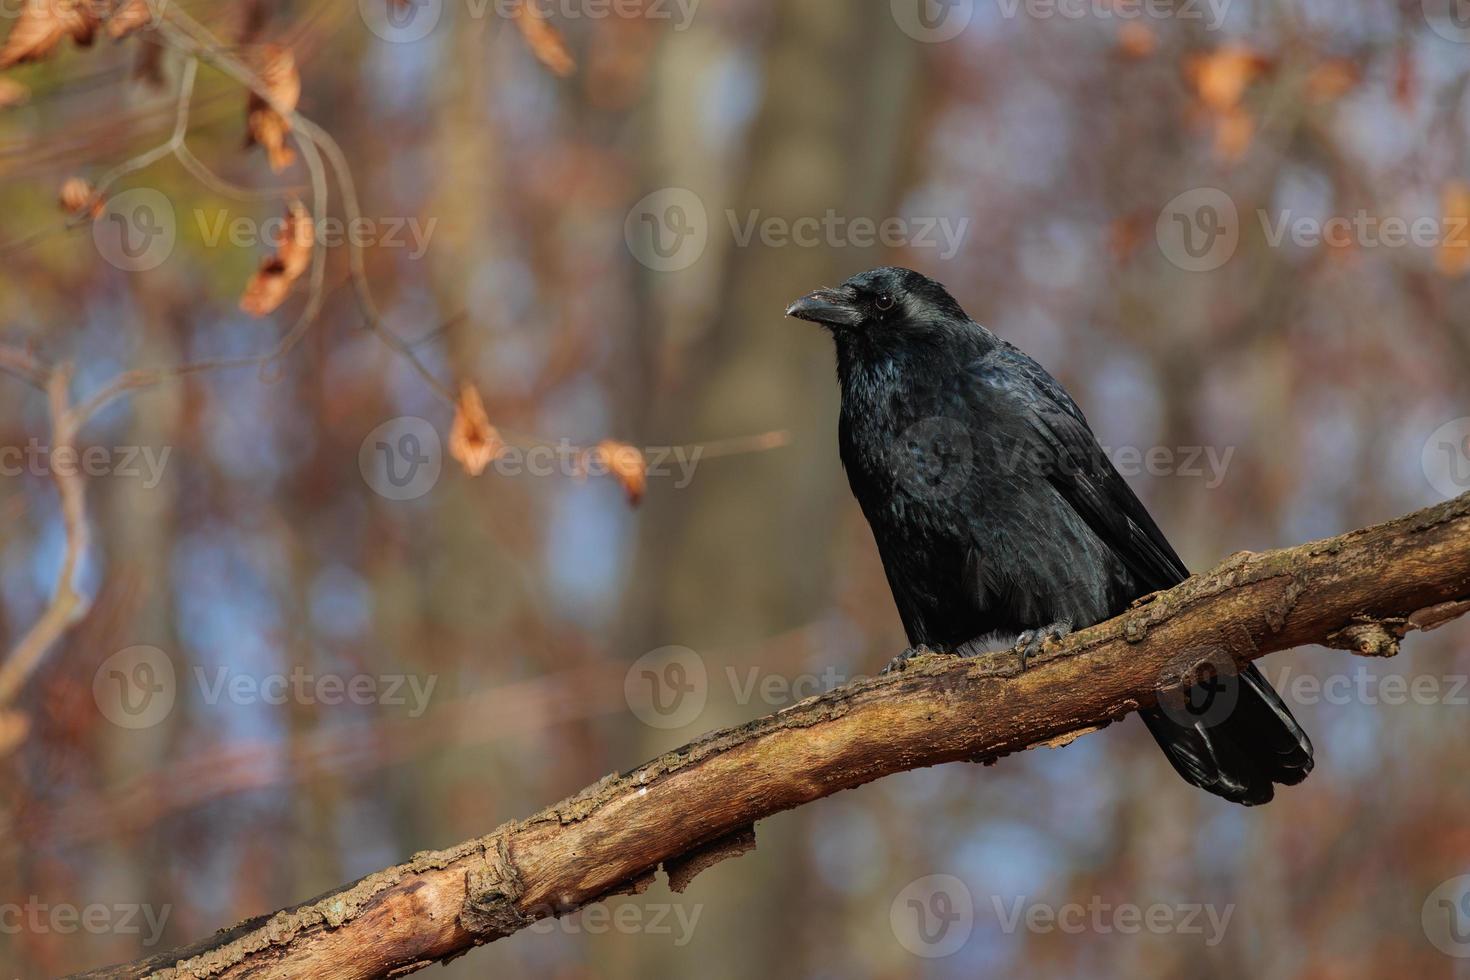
(67,604)
(1361,591)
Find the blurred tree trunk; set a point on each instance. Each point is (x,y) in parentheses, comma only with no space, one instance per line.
(731,558)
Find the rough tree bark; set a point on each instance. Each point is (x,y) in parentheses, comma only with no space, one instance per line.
(687,809)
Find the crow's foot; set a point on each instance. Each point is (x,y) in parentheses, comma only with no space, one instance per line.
(1031,641)
(901,661)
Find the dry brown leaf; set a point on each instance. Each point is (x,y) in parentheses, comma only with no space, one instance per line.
(77,197)
(266,290)
(1136,40)
(473,441)
(294,241)
(43,23)
(1405,78)
(1221,77)
(131,16)
(148,64)
(13,93)
(271,283)
(545,41)
(626,464)
(1331,80)
(1234,131)
(1453,257)
(1125,235)
(14,727)
(276,66)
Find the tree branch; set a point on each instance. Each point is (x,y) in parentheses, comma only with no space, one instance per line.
(67,605)
(1361,591)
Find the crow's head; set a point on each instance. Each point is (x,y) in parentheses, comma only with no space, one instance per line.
(886,299)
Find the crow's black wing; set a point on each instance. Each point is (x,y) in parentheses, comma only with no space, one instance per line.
(1077,467)
(1258,743)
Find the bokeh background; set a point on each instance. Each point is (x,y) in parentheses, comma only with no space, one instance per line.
(610,221)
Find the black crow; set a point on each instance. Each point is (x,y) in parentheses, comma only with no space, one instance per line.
(996,513)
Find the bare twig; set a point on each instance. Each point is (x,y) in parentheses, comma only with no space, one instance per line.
(67,604)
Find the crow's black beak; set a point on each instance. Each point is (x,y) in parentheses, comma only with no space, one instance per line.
(833,307)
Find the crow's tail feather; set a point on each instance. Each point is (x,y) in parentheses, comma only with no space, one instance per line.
(1241,755)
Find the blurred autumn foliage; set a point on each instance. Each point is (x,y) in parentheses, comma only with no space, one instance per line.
(379,234)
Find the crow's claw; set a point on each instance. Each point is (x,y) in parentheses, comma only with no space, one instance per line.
(901,661)
(1031,641)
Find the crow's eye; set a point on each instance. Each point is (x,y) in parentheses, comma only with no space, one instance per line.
(884,302)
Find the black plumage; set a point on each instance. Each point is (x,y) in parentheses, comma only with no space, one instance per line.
(996,513)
